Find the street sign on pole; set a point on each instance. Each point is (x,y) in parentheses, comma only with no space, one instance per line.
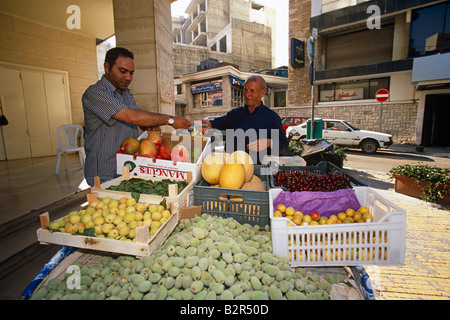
(312,49)
(382,95)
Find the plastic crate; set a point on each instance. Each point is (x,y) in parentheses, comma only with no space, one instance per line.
(253,209)
(381,242)
(323,168)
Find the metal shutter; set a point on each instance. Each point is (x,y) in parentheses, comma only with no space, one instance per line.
(360,48)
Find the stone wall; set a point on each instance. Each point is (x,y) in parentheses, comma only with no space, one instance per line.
(299,92)
(398,119)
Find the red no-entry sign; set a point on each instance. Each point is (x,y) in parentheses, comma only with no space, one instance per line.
(382,95)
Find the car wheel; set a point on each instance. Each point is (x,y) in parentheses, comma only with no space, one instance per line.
(369,146)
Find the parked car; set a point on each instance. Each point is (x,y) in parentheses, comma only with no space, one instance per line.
(342,133)
(292,121)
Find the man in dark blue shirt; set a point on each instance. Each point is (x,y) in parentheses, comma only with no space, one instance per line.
(254,127)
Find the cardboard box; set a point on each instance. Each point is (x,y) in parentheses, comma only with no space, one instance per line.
(178,200)
(145,166)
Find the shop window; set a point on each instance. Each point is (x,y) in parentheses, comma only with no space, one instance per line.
(223,44)
(237,97)
(430,30)
(208,99)
(355,90)
(279,99)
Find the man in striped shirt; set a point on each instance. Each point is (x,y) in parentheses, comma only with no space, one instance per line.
(111,115)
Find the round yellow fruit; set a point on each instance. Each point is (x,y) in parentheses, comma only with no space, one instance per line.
(107,227)
(129,217)
(211,167)
(99,221)
(74,219)
(156,216)
(113,203)
(138,216)
(113,234)
(290,211)
(133,224)
(297,219)
(253,186)
(130,202)
(256,179)
(109,218)
(281,208)
(244,158)
(232,176)
(156,224)
(165,214)
(341,216)
(277,214)
(124,231)
(349,212)
(357,216)
(363,210)
(90,224)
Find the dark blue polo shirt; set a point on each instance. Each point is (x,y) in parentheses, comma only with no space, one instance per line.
(262,123)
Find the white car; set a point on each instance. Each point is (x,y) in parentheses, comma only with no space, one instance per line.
(342,133)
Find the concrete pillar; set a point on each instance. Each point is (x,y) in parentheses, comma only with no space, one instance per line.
(145,28)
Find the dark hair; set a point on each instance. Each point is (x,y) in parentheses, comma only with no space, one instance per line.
(112,55)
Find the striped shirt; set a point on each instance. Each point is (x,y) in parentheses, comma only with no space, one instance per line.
(104,134)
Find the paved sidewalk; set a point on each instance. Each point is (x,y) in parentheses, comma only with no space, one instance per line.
(426,272)
(431,151)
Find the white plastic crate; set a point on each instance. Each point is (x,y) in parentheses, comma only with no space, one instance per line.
(380,242)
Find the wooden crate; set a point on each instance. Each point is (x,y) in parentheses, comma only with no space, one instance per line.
(143,246)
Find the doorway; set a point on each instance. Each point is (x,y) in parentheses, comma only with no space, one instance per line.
(35,102)
(436,129)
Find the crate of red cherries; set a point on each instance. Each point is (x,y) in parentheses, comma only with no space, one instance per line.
(323,177)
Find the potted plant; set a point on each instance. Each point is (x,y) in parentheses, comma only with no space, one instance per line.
(429,183)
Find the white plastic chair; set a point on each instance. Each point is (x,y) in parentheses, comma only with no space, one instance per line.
(71,132)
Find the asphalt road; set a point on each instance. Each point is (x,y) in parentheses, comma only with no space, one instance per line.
(385,159)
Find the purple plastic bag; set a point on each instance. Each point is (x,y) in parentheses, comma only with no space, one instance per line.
(325,203)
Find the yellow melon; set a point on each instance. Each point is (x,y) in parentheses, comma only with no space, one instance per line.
(244,158)
(211,167)
(253,186)
(256,179)
(232,176)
